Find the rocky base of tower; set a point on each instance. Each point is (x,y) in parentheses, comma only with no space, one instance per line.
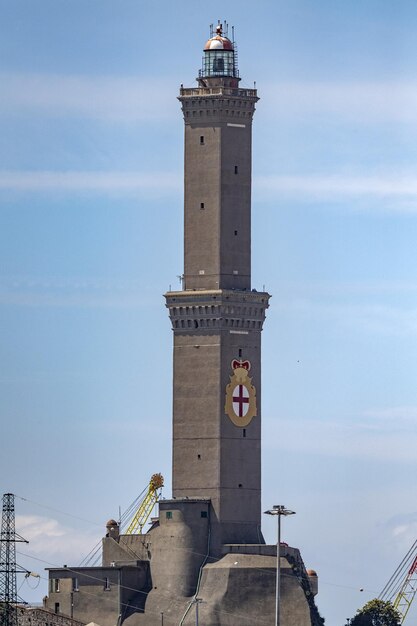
(239,588)
(169,573)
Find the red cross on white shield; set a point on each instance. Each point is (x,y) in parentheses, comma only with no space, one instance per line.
(240,400)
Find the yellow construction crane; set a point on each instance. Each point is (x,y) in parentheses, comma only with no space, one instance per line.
(146,505)
(407,592)
(143,506)
(401,588)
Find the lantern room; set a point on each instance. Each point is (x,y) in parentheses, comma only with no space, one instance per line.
(220,58)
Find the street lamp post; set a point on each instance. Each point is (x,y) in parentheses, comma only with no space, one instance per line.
(279,510)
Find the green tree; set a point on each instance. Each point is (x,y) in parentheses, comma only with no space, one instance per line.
(377,613)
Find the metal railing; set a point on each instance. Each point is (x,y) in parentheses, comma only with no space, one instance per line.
(196,92)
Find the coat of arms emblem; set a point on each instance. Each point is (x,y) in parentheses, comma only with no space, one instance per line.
(240,394)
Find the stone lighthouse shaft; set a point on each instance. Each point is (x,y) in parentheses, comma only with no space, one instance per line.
(217,318)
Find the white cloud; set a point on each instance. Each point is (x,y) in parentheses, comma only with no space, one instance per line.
(366,102)
(77,300)
(336,289)
(36,527)
(398,414)
(402,529)
(374,318)
(74,292)
(353,438)
(52,542)
(159,183)
(111,98)
(396,193)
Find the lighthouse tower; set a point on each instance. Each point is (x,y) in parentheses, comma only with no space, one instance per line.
(217,318)
(205,551)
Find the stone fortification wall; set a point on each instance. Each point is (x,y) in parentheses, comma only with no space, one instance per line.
(125,549)
(36,616)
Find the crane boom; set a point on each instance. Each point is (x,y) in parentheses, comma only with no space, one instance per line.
(401,588)
(407,592)
(146,505)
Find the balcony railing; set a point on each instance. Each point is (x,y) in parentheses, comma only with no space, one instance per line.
(195,92)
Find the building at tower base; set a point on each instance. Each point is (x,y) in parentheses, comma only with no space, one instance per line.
(160,575)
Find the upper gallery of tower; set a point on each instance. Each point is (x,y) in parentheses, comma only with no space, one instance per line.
(217,171)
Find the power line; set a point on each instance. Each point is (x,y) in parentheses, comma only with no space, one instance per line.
(44,506)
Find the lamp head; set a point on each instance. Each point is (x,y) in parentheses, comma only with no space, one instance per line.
(279,509)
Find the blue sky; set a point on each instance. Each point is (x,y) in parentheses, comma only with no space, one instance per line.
(91,237)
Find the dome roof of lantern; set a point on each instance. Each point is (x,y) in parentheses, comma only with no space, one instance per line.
(219,42)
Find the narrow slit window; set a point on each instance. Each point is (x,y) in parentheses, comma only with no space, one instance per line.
(240,351)
(201,205)
(244,432)
(235,233)
(201,140)
(236,169)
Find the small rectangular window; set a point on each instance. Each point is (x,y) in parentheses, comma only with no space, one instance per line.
(75,584)
(244,432)
(203,513)
(240,351)
(201,205)
(106,584)
(236,169)
(201,140)
(235,233)
(54,585)
(168,514)
(56,607)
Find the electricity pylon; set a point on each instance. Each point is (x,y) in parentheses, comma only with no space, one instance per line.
(8,566)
